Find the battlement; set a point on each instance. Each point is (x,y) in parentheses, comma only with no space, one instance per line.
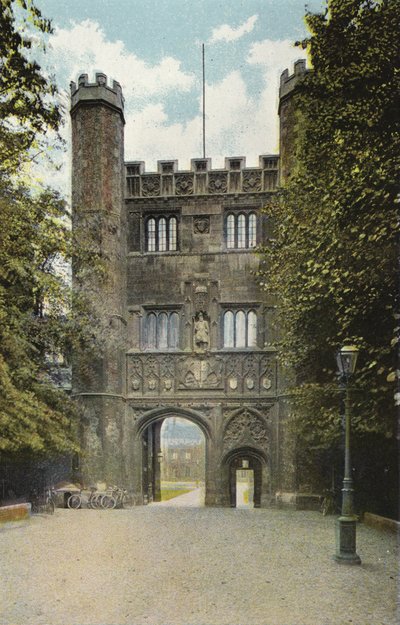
(201,179)
(97,91)
(289,82)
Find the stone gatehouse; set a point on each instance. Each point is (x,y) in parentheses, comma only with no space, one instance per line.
(186,330)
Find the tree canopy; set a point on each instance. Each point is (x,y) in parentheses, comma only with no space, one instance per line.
(35,417)
(333,261)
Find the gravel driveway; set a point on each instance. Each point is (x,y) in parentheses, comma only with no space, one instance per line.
(160,565)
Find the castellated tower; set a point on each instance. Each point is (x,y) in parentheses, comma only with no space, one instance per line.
(166,263)
(288,121)
(97,112)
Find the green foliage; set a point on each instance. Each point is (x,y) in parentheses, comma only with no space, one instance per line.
(333,262)
(28,109)
(35,242)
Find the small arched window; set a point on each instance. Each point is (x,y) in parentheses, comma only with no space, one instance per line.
(172,233)
(161,234)
(151,235)
(161,330)
(241,230)
(230,231)
(240,328)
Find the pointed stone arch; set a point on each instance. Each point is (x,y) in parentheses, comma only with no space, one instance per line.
(160,413)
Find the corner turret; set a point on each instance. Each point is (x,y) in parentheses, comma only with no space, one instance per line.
(99,230)
(97,92)
(287,117)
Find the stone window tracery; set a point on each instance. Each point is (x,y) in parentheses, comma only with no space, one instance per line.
(239,328)
(161,330)
(241,230)
(161,233)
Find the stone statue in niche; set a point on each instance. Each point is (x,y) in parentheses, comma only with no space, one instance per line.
(201,337)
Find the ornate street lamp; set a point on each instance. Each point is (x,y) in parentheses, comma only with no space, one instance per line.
(346,524)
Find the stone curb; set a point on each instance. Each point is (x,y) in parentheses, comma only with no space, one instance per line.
(381,522)
(15,512)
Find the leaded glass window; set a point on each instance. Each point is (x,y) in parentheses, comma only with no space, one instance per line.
(161,330)
(240,328)
(151,235)
(241,230)
(172,233)
(161,234)
(230,232)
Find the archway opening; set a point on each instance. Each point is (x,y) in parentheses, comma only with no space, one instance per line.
(174,462)
(245,487)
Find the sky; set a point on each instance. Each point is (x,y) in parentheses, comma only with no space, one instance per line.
(153,48)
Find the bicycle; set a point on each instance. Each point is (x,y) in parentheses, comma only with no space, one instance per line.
(75,501)
(116,498)
(329,504)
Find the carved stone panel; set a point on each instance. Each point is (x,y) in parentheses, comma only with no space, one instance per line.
(200,373)
(151,374)
(200,297)
(135,375)
(201,224)
(248,374)
(245,428)
(184,184)
(251,181)
(218,183)
(150,185)
(267,373)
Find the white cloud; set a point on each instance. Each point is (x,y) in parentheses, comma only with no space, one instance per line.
(84,46)
(227,33)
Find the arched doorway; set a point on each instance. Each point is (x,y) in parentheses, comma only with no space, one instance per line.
(252,462)
(162,463)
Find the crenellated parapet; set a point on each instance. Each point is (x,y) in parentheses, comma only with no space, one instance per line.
(289,82)
(201,179)
(96,92)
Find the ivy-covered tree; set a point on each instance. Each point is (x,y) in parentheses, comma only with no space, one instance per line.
(35,327)
(333,263)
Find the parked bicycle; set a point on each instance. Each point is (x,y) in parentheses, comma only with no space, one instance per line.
(92,500)
(116,497)
(329,503)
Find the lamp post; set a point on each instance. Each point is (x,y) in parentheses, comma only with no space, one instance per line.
(346,524)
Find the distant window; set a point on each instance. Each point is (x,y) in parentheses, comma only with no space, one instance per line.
(241,230)
(201,165)
(161,233)
(240,328)
(161,330)
(270,163)
(133,170)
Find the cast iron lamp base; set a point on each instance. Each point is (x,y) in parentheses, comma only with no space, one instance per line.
(346,540)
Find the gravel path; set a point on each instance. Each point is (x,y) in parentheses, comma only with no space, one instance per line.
(160,565)
(194,499)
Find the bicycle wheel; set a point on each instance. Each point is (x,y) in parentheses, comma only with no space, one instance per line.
(74,502)
(108,502)
(96,501)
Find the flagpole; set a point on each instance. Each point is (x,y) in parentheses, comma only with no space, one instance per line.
(204,103)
